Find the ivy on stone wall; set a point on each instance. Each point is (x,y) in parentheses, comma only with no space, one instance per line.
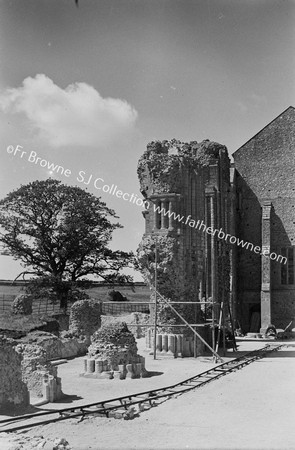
(162,163)
(160,170)
(171,278)
(169,275)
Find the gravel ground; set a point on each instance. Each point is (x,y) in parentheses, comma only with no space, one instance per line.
(249,409)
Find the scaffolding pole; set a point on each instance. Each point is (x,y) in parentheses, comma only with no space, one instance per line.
(155,310)
(219,327)
(191,328)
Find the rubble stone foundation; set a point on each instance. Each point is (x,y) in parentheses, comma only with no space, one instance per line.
(14,393)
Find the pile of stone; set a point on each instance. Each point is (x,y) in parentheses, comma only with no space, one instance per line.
(65,346)
(135,321)
(61,444)
(113,354)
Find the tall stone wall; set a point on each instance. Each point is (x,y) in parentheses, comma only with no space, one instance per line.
(190,181)
(265,168)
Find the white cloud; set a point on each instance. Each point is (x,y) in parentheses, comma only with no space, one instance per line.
(76,115)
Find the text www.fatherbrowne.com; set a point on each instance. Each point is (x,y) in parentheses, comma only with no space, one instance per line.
(219,233)
(98,183)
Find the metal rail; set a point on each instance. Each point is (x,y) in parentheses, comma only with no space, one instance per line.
(118,407)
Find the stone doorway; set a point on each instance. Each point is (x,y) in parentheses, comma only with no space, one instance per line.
(254,318)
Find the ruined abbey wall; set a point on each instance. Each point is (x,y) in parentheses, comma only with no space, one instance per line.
(190,181)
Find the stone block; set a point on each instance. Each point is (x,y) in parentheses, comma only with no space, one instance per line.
(90,365)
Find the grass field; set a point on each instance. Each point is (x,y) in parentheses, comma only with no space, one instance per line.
(22,323)
(140,293)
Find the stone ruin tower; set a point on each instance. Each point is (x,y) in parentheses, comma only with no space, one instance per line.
(190,182)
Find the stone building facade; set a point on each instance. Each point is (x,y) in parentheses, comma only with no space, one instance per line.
(252,199)
(264,185)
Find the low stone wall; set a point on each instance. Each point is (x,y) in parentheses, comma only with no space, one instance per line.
(100,368)
(58,347)
(38,374)
(14,394)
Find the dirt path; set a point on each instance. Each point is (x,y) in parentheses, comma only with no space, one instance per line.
(252,408)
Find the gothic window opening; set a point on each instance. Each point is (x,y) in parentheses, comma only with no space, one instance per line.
(166,215)
(287,270)
(158,216)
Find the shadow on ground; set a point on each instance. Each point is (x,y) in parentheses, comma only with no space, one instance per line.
(68,398)
(151,374)
(20,412)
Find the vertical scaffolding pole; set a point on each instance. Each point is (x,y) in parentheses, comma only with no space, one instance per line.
(219,327)
(224,328)
(213,272)
(166,302)
(155,307)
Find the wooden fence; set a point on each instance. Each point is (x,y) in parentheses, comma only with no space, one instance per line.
(120,308)
(6,302)
(41,306)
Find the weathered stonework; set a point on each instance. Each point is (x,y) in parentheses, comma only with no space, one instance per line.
(174,345)
(135,321)
(253,201)
(85,317)
(14,394)
(113,354)
(39,375)
(192,181)
(64,346)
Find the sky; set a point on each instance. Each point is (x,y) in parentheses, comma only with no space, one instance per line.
(86,88)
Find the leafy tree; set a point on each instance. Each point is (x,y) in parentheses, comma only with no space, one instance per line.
(61,233)
(55,289)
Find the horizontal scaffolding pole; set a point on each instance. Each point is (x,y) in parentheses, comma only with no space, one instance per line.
(166,325)
(188,303)
(159,303)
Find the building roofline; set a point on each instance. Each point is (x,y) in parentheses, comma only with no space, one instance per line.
(289,107)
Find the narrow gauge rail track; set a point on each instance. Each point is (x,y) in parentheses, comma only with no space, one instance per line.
(117,407)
